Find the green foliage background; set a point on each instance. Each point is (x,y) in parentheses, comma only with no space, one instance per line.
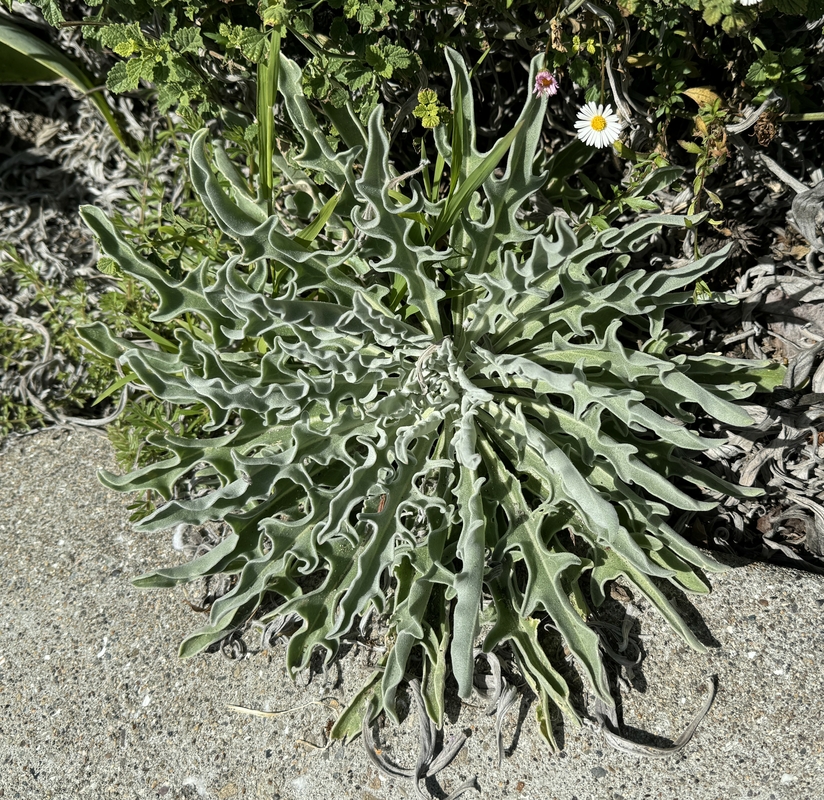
(194,52)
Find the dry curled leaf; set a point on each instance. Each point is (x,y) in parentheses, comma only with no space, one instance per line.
(650,751)
(702,95)
(764,130)
(556,35)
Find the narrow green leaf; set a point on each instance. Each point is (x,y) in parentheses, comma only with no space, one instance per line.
(660,179)
(690,147)
(38,59)
(200,640)
(19,68)
(457,202)
(440,163)
(349,724)
(433,682)
(310,232)
(458,141)
(197,641)
(567,161)
(267,86)
(469,581)
(128,378)
(206,564)
(166,344)
(591,187)
(640,204)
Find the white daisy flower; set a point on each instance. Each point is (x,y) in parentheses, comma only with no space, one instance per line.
(597,125)
(749,2)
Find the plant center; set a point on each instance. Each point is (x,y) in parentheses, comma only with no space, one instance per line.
(598,123)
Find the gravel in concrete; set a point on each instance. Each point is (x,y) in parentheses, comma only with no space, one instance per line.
(96,704)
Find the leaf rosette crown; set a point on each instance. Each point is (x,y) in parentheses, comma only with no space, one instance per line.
(450,413)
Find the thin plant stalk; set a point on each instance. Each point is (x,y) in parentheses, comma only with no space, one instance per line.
(267,86)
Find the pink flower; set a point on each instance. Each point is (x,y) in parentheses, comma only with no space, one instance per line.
(545,84)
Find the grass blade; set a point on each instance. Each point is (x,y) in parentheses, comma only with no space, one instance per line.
(26,59)
(457,202)
(458,139)
(267,86)
(114,387)
(310,232)
(165,344)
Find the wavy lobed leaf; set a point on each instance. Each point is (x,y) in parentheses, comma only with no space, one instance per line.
(440,429)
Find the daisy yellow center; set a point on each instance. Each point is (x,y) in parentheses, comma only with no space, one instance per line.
(598,123)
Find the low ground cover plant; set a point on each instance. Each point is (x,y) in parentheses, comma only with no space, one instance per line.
(432,403)
(675,75)
(660,61)
(47,376)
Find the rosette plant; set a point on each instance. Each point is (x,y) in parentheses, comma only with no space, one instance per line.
(448,413)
